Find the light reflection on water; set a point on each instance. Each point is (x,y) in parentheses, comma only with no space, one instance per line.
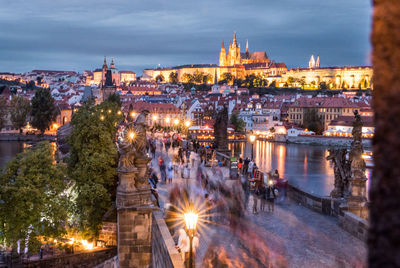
(304,166)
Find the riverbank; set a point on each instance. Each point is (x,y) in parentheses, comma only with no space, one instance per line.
(319,140)
(26,138)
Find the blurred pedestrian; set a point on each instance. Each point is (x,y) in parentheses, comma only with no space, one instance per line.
(170,172)
(271,195)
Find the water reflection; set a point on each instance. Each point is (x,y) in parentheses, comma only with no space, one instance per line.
(304,166)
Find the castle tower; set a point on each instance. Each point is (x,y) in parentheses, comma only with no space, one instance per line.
(112,65)
(317,63)
(104,71)
(222,55)
(311,63)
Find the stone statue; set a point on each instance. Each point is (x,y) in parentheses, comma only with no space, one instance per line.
(220,130)
(356,149)
(126,152)
(341,169)
(140,127)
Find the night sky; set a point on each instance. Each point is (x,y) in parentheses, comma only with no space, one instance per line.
(77,34)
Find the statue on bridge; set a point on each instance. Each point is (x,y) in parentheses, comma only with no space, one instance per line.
(341,168)
(221,130)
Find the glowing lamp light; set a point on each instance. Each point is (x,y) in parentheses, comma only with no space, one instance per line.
(87,245)
(102,117)
(131,135)
(271,182)
(109,111)
(191,220)
(187,123)
(133,114)
(252,138)
(167,120)
(55,125)
(119,113)
(71,241)
(176,121)
(155,117)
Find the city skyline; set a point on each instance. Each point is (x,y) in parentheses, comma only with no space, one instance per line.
(66,36)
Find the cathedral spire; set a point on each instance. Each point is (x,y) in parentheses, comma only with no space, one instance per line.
(234,39)
(105,62)
(247,46)
(223,45)
(112,63)
(317,63)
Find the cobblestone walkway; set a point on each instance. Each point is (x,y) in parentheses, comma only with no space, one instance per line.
(302,237)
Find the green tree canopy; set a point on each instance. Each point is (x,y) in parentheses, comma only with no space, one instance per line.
(20,108)
(92,162)
(238,123)
(173,78)
(33,197)
(312,121)
(188,78)
(44,111)
(228,77)
(160,78)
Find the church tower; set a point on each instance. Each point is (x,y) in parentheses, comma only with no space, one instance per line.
(317,63)
(112,65)
(222,55)
(311,62)
(104,71)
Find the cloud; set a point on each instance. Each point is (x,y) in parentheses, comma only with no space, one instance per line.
(77,34)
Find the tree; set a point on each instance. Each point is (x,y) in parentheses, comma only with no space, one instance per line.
(272,130)
(227,77)
(237,123)
(173,78)
(115,98)
(92,163)
(198,77)
(188,78)
(44,111)
(160,78)
(34,201)
(290,81)
(312,121)
(3,112)
(302,83)
(323,85)
(30,85)
(273,84)
(207,79)
(20,108)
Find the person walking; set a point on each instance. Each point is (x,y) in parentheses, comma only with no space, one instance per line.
(245,166)
(170,172)
(270,194)
(250,169)
(162,170)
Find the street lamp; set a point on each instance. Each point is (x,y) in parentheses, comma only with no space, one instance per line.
(252,138)
(191,223)
(155,117)
(167,120)
(187,123)
(131,135)
(176,122)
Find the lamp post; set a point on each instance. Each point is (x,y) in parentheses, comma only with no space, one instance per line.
(252,138)
(191,223)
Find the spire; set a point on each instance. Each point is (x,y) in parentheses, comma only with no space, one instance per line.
(247,46)
(234,39)
(317,63)
(112,63)
(105,60)
(311,63)
(223,45)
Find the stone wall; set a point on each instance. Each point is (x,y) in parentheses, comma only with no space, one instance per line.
(323,205)
(108,233)
(110,263)
(353,224)
(327,141)
(84,259)
(331,207)
(164,253)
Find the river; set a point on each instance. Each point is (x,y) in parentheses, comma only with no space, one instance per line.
(303,165)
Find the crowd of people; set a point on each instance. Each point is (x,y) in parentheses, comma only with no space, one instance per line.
(220,204)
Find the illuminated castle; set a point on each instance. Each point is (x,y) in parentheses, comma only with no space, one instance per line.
(235,57)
